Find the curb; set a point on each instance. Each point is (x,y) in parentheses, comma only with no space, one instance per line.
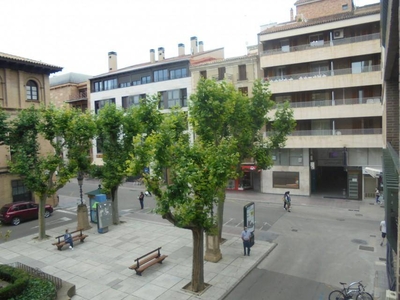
(248,271)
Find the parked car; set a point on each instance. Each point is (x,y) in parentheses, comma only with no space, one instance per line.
(15,213)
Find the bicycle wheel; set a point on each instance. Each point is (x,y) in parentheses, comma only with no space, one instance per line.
(337,295)
(364,296)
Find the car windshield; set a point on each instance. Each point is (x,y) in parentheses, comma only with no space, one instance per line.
(4,210)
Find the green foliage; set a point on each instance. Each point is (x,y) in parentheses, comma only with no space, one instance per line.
(3,126)
(23,286)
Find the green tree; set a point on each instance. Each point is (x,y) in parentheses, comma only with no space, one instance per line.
(218,111)
(38,139)
(116,128)
(196,172)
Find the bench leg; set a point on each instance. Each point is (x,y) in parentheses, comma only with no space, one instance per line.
(59,248)
(138,273)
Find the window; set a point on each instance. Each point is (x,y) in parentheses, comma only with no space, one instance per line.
(99,146)
(178,73)
(281,72)
(124,84)
(146,79)
(285,47)
(203,74)
(20,191)
(221,73)
(174,98)
(31,90)
(296,157)
(160,75)
(286,180)
(129,101)
(345,7)
(110,84)
(361,66)
(98,86)
(319,68)
(244,90)
(101,103)
(136,82)
(283,98)
(242,72)
(316,40)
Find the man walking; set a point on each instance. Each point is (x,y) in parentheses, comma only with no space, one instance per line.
(141,198)
(246,234)
(382,227)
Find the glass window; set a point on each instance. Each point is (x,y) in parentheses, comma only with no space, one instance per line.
(101,103)
(20,192)
(136,82)
(134,100)
(361,66)
(31,90)
(110,84)
(296,157)
(281,157)
(145,79)
(221,73)
(286,180)
(98,86)
(283,99)
(99,146)
(319,68)
(316,40)
(160,75)
(242,72)
(244,90)
(173,98)
(285,47)
(203,74)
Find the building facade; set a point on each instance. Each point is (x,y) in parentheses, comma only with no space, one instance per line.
(23,83)
(327,64)
(168,77)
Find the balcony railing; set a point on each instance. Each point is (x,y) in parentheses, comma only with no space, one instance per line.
(322,74)
(336,102)
(319,44)
(331,132)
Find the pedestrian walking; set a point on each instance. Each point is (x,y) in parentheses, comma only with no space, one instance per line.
(68,239)
(246,234)
(141,198)
(382,227)
(377,195)
(287,201)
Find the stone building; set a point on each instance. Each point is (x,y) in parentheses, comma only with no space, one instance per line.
(23,83)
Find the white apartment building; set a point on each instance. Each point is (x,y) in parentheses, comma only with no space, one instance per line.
(170,77)
(326,61)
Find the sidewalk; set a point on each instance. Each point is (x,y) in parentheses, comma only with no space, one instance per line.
(99,267)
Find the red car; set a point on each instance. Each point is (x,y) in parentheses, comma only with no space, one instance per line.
(17,212)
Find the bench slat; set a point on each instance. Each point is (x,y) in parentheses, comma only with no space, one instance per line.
(143,261)
(150,263)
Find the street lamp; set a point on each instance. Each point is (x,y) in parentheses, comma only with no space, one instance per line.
(80,182)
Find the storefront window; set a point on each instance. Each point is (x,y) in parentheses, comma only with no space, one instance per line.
(287,180)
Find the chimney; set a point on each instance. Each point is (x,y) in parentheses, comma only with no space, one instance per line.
(181,49)
(193,45)
(152,56)
(160,53)
(291,14)
(112,61)
(201,46)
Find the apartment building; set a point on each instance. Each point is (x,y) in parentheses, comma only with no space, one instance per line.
(168,77)
(326,61)
(23,83)
(70,89)
(241,71)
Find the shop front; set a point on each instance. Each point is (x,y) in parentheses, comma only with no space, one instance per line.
(250,179)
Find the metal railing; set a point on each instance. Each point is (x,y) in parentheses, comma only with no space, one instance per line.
(322,74)
(320,44)
(38,273)
(336,102)
(331,132)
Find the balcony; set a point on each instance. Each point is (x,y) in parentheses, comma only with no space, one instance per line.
(330,79)
(351,138)
(321,50)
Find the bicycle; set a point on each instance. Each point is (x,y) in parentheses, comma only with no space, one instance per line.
(349,292)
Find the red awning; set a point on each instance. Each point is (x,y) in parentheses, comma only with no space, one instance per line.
(249,167)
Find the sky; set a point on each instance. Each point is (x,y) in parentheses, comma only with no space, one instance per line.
(78,34)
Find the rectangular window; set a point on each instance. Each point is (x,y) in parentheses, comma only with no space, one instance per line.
(203,74)
(178,73)
(285,47)
(296,157)
(244,90)
(160,75)
(319,68)
(286,180)
(283,98)
(101,103)
(136,82)
(316,40)
(221,73)
(361,66)
(242,72)
(173,98)
(98,86)
(110,84)
(145,79)
(20,192)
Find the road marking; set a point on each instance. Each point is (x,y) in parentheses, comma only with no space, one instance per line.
(228,221)
(67,212)
(239,224)
(60,220)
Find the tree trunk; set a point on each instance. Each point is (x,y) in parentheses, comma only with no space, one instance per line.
(114,204)
(198,260)
(220,213)
(42,223)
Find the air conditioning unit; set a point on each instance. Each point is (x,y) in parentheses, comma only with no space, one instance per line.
(338,34)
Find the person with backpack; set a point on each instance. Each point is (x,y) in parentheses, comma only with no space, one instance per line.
(287,201)
(141,198)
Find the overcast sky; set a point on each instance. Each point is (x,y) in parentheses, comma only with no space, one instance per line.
(78,34)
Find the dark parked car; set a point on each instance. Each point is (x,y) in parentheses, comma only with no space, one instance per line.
(17,212)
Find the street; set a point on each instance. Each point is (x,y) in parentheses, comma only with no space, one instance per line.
(320,243)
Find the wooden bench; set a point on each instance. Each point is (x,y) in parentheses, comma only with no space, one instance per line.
(76,237)
(147,260)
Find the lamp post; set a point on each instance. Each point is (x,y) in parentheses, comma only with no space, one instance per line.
(83,221)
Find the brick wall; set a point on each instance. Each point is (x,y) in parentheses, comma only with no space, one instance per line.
(321,8)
